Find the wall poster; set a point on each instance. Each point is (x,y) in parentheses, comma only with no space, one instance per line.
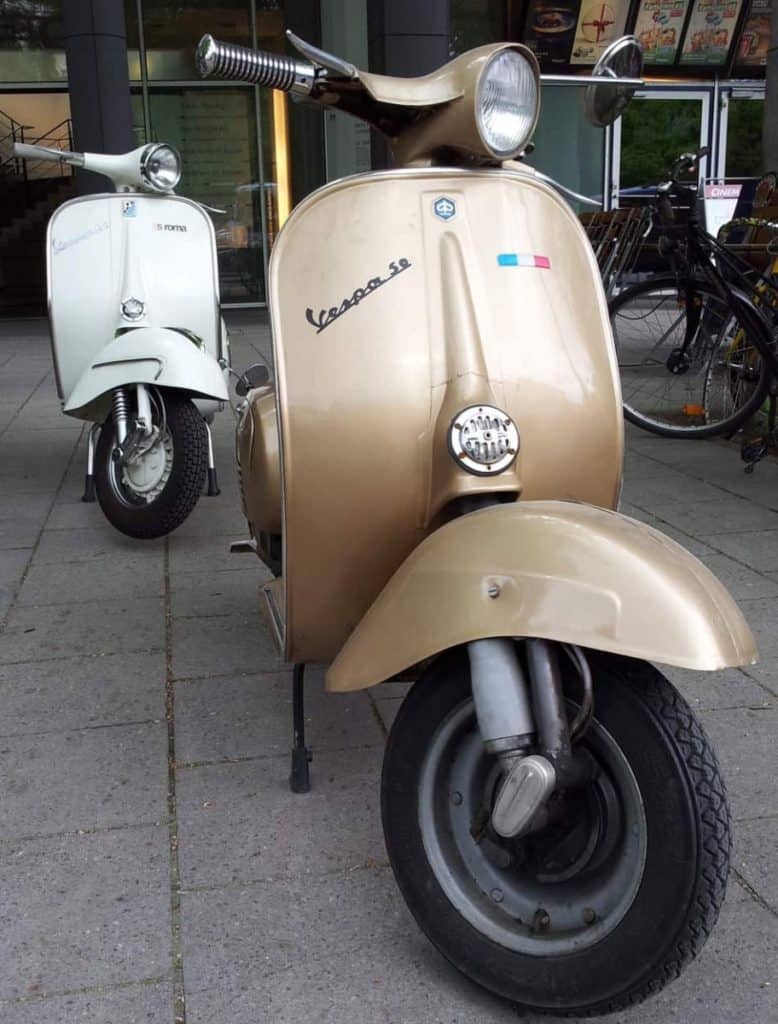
(599,23)
(755,37)
(550,29)
(659,27)
(710,32)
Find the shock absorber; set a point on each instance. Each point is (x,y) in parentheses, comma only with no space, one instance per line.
(120,411)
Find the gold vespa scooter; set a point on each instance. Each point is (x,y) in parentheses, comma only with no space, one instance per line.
(433,481)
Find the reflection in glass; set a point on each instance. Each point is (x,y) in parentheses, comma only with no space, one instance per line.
(744,138)
(171,30)
(32,47)
(654,133)
(214,130)
(476,22)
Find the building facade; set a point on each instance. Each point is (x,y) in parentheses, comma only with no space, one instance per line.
(252,154)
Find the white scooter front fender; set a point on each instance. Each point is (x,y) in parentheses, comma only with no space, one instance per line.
(148,355)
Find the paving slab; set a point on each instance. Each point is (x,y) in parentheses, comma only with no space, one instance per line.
(229,591)
(730,688)
(70,693)
(148,1003)
(744,741)
(755,846)
(12,566)
(223,645)
(107,578)
(207,554)
(228,717)
(62,630)
(84,779)
(240,822)
(703,518)
(341,949)
(87,910)
(83,545)
(755,548)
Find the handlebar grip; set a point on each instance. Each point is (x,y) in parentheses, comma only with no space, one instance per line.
(239,64)
(28,152)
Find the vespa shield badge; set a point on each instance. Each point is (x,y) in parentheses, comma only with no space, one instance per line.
(444,208)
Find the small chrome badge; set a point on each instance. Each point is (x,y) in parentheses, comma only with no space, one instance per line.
(483,439)
(132,309)
(444,208)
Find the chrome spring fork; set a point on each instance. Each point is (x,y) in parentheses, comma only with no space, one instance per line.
(120,410)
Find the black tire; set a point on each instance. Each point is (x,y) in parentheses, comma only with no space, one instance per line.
(649,324)
(683,881)
(160,516)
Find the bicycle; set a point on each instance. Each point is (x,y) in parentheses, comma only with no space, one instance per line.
(695,352)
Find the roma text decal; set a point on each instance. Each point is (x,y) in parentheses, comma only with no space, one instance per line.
(326,317)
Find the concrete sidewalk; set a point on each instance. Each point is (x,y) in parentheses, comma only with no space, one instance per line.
(154,866)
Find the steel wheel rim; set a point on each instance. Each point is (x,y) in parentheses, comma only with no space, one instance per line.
(504,904)
(121,486)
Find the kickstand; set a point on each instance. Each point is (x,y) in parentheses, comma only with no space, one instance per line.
(300,778)
(213,483)
(89,479)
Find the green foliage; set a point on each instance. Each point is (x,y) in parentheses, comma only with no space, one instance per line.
(654,133)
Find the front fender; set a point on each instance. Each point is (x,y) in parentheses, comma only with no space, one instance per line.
(550,569)
(149,355)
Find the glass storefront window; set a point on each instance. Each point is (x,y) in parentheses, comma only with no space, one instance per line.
(654,132)
(567,146)
(32,47)
(476,22)
(744,137)
(171,31)
(215,132)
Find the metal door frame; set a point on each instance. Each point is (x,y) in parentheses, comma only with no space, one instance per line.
(708,135)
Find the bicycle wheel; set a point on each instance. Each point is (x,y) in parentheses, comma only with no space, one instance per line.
(690,365)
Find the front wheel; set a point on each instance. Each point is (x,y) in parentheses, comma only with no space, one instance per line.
(613,896)
(153,493)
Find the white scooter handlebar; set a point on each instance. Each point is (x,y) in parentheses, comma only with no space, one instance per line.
(28,152)
(137,169)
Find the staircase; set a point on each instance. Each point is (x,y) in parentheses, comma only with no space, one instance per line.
(30,191)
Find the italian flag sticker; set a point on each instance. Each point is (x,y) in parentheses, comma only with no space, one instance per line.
(523,259)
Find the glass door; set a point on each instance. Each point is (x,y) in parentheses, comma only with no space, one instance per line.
(654,130)
(740,138)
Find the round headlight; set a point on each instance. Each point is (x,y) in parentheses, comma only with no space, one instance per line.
(506,103)
(160,166)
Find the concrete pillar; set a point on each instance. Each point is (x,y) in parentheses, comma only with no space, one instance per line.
(99,86)
(407,38)
(770,123)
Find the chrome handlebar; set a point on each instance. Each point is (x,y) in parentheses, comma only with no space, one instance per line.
(239,64)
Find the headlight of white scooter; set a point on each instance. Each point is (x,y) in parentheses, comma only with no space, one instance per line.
(160,167)
(507,103)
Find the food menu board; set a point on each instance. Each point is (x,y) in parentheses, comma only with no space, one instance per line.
(549,31)
(754,39)
(600,22)
(710,33)
(659,28)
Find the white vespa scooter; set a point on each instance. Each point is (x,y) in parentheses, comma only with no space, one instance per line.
(138,343)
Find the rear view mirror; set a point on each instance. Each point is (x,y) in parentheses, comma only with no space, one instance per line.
(603,102)
(253,377)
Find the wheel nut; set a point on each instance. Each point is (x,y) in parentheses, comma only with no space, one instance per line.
(497,895)
(456,799)
(589,916)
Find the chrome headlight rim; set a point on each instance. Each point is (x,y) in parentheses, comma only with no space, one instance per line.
(509,440)
(528,57)
(147,174)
